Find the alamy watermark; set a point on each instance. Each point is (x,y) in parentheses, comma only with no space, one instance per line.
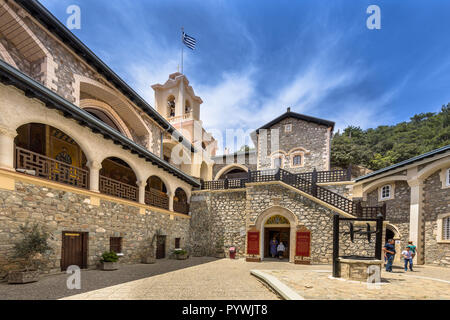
(374,20)
(74,280)
(74,20)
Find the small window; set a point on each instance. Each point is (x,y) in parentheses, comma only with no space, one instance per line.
(288,128)
(446,229)
(386,192)
(115,244)
(177,243)
(297,160)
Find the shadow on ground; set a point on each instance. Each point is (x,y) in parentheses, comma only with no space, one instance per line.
(54,286)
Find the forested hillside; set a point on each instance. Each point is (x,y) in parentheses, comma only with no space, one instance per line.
(387,145)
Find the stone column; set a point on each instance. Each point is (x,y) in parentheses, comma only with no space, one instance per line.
(415,218)
(142,185)
(7,148)
(94,175)
(171,195)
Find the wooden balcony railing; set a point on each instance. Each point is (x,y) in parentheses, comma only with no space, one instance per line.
(328,176)
(309,186)
(181,207)
(118,189)
(157,198)
(51,169)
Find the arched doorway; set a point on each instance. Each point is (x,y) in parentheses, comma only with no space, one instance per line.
(204,171)
(276,230)
(47,152)
(392,232)
(232,171)
(280,222)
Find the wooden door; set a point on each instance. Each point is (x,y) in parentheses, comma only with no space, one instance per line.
(74,249)
(160,247)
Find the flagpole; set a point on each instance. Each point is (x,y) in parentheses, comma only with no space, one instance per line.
(182,50)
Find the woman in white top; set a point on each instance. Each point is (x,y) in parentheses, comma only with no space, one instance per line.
(281,248)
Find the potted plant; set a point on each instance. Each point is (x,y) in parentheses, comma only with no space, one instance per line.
(30,250)
(181,254)
(109,261)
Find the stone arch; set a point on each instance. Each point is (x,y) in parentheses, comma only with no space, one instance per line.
(17,32)
(164,180)
(140,177)
(381,182)
(299,149)
(397,237)
(99,91)
(66,129)
(293,222)
(229,168)
(432,168)
(110,112)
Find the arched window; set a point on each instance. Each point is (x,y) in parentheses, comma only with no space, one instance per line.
(180,203)
(171,107)
(386,192)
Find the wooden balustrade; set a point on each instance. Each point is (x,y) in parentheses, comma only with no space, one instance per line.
(51,169)
(118,189)
(181,207)
(308,183)
(157,198)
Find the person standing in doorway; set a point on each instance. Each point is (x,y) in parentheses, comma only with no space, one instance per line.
(389,254)
(281,248)
(407,255)
(273,247)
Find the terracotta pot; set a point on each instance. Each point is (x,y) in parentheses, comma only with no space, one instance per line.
(109,266)
(23,276)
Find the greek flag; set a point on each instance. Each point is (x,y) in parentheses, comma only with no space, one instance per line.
(189,41)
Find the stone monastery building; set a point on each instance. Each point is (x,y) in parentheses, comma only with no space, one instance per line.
(87,158)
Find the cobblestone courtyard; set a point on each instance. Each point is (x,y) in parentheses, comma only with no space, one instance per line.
(212,279)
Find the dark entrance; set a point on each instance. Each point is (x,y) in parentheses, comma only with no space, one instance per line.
(74,249)
(160,247)
(389,235)
(281,234)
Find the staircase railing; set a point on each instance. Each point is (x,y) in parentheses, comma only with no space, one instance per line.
(298,181)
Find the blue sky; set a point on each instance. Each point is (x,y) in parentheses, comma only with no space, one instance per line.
(256,58)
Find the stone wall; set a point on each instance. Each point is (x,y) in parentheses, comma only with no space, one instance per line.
(229,214)
(310,136)
(436,202)
(218,216)
(60,211)
(345,190)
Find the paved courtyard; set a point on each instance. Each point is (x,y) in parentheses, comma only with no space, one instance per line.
(426,283)
(213,279)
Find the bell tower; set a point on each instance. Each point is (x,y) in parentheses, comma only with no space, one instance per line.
(176,101)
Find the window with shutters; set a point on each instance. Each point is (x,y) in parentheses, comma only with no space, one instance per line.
(115,244)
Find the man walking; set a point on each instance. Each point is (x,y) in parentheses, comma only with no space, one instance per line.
(407,255)
(389,254)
